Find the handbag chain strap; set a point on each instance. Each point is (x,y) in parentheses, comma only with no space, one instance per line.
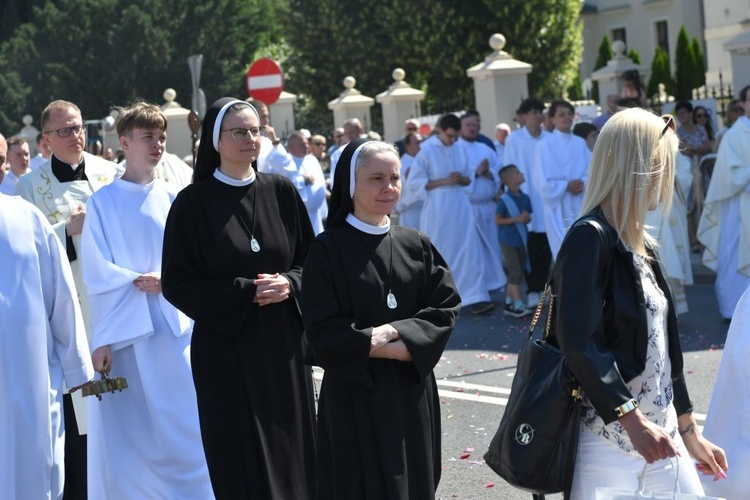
(538,312)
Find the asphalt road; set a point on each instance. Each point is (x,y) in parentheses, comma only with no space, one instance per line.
(476,371)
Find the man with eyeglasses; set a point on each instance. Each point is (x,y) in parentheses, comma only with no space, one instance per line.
(60,188)
(724,227)
(410,126)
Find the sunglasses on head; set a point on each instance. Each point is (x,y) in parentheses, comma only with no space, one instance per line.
(668,124)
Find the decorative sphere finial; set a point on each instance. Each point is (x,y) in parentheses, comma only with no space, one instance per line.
(618,47)
(398,74)
(497,42)
(169,95)
(27,120)
(349,82)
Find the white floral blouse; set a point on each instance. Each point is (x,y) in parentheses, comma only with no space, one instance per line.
(652,389)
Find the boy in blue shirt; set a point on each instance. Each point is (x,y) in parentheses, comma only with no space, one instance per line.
(512,214)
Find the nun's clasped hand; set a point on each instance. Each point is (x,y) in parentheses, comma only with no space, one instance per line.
(271,288)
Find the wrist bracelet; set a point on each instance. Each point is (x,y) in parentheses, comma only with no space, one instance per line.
(626,408)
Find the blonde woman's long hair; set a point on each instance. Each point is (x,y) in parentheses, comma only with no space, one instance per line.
(634,159)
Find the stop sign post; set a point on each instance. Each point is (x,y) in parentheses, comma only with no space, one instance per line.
(265,80)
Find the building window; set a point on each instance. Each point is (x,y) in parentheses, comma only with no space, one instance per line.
(619,34)
(662,35)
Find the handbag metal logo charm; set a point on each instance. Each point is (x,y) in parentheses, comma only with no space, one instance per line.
(524,434)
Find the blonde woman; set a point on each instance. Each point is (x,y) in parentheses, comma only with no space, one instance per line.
(616,322)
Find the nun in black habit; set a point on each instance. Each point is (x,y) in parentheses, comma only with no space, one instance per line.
(379,305)
(234,245)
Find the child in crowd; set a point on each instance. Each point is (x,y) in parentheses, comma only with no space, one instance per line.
(512,214)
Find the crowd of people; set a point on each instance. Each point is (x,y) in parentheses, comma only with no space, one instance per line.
(214,289)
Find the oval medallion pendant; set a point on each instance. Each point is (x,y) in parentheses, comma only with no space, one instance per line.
(391,300)
(254,245)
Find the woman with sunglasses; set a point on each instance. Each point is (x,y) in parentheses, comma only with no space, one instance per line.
(234,245)
(616,325)
(702,118)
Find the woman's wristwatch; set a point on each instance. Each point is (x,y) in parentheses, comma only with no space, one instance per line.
(626,408)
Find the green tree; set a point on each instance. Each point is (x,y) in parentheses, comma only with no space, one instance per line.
(684,67)
(575,91)
(635,56)
(434,45)
(659,73)
(699,67)
(603,56)
(116,51)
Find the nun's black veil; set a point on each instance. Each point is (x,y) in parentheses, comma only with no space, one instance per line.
(341,203)
(207,160)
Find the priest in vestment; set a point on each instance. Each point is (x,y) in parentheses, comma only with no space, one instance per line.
(670,231)
(379,305)
(60,188)
(724,227)
(42,344)
(561,165)
(144,442)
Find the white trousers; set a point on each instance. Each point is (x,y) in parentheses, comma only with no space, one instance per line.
(600,464)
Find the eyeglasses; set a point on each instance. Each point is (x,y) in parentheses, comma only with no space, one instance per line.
(411,129)
(668,123)
(66,131)
(319,143)
(240,134)
(701,115)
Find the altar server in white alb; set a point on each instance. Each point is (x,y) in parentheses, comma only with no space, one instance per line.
(484,190)
(42,342)
(724,228)
(144,442)
(309,180)
(408,206)
(561,164)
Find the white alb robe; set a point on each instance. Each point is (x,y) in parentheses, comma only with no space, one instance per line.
(409,206)
(448,217)
(728,417)
(559,159)
(36,161)
(42,342)
(313,195)
(143,442)
(724,227)
(275,159)
(670,231)
(482,197)
(10,181)
(57,200)
(520,147)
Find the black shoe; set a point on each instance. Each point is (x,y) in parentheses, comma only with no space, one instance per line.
(516,312)
(482,308)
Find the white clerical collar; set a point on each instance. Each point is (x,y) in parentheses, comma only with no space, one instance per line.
(222,177)
(368,228)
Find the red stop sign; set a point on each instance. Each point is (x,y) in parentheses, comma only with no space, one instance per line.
(265,80)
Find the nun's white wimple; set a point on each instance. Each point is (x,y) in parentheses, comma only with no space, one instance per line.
(220,117)
(353,166)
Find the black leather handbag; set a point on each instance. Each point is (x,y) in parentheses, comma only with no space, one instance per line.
(535,446)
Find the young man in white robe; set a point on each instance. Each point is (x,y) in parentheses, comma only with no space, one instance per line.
(309,180)
(408,206)
(484,191)
(520,147)
(560,170)
(442,177)
(42,344)
(60,188)
(145,441)
(18,160)
(724,227)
